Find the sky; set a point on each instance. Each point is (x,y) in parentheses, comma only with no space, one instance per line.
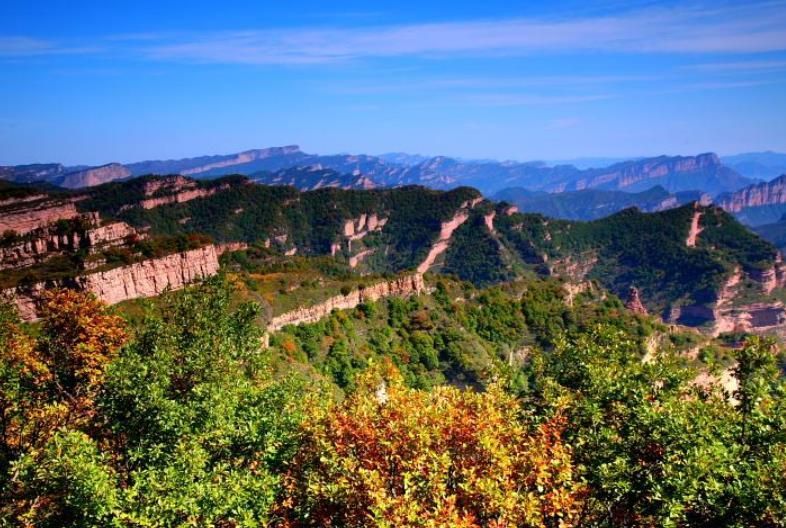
(92,82)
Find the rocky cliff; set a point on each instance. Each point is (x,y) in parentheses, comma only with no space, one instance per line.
(446,233)
(94,176)
(760,194)
(704,172)
(728,314)
(242,158)
(314,177)
(400,287)
(142,279)
(85,232)
(25,216)
(441,245)
(174,189)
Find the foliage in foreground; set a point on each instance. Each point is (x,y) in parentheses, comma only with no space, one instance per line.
(392,456)
(180,422)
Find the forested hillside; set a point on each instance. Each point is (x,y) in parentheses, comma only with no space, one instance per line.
(504,407)
(683,261)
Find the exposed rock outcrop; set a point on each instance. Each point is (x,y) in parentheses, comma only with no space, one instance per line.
(634,303)
(34,215)
(175,189)
(142,279)
(573,289)
(766,193)
(489,220)
(357,228)
(152,277)
(95,176)
(442,243)
(400,287)
(727,314)
(242,158)
(354,260)
(675,173)
(46,242)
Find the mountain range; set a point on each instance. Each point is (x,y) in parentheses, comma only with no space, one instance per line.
(591,204)
(559,191)
(757,165)
(692,264)
(704,172)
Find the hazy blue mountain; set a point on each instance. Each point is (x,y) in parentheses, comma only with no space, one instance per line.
(246,162)
(591,204)
(758,165)
(32,173)
(591,163)
(757,204)
(312,178)
(704,172)
(402,158)
(774,232)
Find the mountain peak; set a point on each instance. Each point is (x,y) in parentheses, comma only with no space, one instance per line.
(708,158)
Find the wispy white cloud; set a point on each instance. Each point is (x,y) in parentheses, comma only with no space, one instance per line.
(740,66)
(715,85)
(420,84)
(519,99)
(751,28)
(19,47)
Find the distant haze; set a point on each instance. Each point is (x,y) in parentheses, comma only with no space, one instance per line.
(99,82)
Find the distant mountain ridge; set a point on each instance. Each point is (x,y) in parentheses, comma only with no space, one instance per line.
(313,178)
(703,172)
(757,165)
(693,264)
(757,204)
(592,204)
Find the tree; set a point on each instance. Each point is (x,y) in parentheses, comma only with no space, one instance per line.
(658,450)
(392,456)
(199,428)
(49,385)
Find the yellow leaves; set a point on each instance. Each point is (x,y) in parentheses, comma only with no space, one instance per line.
(80,337)
(50,381)
(441,458)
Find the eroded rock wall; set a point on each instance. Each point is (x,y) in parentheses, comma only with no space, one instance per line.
(401,287)
(142,279)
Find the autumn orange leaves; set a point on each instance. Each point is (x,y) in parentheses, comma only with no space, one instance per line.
(442,458)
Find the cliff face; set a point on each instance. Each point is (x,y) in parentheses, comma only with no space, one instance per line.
(142,279)
(34,215)
(151,277)
(400,287)
(675,173)
(728,315)
(314,177)
(704,172)
(95,176)
(45,242)
(171,190)
(242,158)
(767,193)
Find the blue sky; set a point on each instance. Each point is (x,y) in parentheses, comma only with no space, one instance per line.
(99,81)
